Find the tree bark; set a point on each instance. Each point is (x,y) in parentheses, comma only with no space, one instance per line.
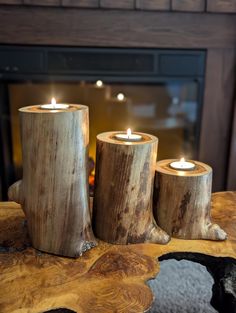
(122,211)
(182,202)
(54,189)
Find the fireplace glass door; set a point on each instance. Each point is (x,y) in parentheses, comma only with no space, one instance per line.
(162,98)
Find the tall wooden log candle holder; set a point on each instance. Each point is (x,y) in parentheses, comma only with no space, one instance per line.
(54,189)
(182,200)
(124,177)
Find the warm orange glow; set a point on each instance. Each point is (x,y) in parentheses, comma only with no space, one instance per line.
(182,160)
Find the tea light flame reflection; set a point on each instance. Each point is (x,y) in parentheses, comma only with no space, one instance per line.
(120,96)
(99,83)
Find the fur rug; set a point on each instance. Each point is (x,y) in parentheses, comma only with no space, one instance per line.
(182,287)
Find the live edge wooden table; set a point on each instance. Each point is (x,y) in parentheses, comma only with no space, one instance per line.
(107,278)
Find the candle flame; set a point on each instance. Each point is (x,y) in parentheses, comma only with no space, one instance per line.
(129,132)
(182,160)
(99,83)
(120,96)
(53,102)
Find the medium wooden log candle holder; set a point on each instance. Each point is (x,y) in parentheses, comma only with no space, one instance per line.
(124,177)
(182,201)
(54,189)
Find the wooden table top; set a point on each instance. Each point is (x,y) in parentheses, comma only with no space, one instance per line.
(106,279)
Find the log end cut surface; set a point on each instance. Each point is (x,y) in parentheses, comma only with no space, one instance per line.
(107,278)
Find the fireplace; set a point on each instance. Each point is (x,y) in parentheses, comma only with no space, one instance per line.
(158,91)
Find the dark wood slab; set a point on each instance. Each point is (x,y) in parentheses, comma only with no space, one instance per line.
(221,6)
(18,2)
(108,278)
(160,5)
(220,76)
(81,3)
(42,2)
(231,183)
(117,28)
(121,4)
(188,5)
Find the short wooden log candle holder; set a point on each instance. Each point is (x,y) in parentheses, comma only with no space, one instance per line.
(182,202)
(54,189)
(122,211)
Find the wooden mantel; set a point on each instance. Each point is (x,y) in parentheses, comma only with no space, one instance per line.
(221,6)
(145,24)
(115,28)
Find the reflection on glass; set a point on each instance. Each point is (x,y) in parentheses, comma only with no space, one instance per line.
(168,111)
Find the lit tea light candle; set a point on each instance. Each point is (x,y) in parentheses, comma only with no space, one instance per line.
(118,165)
(120,97)
(128,136)
(182,200)
(182,165)
(54,105)
(99,83)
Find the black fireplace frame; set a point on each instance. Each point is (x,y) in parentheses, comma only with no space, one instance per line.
(69,64)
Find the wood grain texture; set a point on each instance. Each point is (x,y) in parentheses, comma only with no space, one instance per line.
(231,179)
(81,3)
(160,5)
(183,201)
(215,6)
(106,279)
(215,126)
(11,1)
(54,189)
(116,29)
(188,5)
(121,4)
(122,211)
(43,2)
(226,6)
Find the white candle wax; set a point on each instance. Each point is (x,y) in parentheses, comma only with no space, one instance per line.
(54,106)
(129,137)
(182,165)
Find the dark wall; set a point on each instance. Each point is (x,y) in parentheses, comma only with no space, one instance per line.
(221,6)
